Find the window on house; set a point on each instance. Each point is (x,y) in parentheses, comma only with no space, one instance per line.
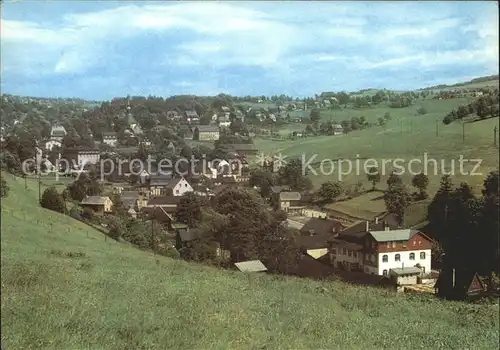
(349,252)
(404,244)
(384,272)
(397,257)
(385,258)
(185,185)
(388,244)
(334,251)
(412,256)
(419,242)
(394,244)
(344,251)
(414,242)
(355,254)
(422,255)
(177,191)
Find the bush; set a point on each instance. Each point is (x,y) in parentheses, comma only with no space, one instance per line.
(421,111)
(88,214)
(76,212)
(52,200)
(4,188)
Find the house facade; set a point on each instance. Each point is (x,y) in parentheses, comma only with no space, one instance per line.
(81,156)
(109,138)
(393,249)
(99,204)
(179,187)
(206,133)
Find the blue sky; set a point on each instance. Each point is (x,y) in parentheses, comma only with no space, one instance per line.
(98,50)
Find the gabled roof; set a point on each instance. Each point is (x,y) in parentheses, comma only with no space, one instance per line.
(207,128)
(157,213)
(313,242)
(160,180)
(191,114)
(406,271)
(278,189)
(393,235)
(95,200)
(289,196)
(321,226)
(251,266)
(165,200)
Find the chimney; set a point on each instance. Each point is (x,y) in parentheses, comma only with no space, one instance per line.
(367,226)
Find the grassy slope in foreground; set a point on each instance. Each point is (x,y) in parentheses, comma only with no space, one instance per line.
(116,297)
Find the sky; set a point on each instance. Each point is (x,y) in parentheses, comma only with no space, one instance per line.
(100,50)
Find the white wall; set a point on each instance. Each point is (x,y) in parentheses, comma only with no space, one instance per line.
(88,158)
(50,144)
(405,260)
(110,142)
(183,187)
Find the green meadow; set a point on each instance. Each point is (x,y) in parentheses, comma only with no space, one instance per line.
(407,136)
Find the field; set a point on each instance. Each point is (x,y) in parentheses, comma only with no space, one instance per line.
(406,137)
(65,287)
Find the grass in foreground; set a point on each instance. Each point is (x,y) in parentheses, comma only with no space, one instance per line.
(65,287)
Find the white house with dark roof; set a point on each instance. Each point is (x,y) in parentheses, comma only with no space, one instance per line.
(399,249)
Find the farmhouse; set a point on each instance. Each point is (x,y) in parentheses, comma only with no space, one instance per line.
(109,138)
(289,202)
(206,133)
(100,205)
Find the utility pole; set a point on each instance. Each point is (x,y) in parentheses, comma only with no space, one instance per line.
(25,182)
(152,231)
(39,188)
(463,132)
(495,130)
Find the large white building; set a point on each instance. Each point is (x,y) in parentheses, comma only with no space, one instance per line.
(378,250)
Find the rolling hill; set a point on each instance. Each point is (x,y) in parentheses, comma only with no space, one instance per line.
(65,287)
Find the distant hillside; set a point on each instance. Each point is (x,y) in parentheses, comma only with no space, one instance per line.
(473,81)
(65,287)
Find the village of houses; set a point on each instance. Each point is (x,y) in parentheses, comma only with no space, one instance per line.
(371,252)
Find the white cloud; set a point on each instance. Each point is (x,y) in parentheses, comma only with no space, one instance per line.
(289,39)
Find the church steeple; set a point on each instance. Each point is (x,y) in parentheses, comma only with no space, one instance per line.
(130,118)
